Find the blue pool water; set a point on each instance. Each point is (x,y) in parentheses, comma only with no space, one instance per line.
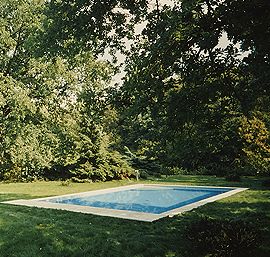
(148,199)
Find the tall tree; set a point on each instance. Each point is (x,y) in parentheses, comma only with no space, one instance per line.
(20,21)
(79,25)
(51,109)
(198,93)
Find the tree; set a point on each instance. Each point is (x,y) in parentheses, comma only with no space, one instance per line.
(196,93)
(256,146)
(51,109)
(183,100)
(75,26)
(24,145)
(20,22)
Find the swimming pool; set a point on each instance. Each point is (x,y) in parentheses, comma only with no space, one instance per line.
(145,202)
(148,198)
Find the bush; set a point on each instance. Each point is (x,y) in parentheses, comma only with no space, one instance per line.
(77,180)
(168,171)
(235,177)
(65,182)
(143,174)
(222,238)
(138,163)
(266,183)
(106,166)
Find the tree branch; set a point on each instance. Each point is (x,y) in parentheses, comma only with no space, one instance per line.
(15,51)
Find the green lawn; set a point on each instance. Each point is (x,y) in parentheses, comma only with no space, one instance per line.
(26,231)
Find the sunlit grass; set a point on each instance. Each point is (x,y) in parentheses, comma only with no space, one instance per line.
(26,231)
(10,191)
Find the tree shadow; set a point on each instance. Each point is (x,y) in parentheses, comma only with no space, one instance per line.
(256,214)
(254,183)
(11,196)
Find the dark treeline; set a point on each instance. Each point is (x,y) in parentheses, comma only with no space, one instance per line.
(185,104)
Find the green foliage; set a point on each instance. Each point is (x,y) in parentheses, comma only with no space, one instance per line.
(51,109)
(82,25)
(108,166)
(65,182)
(256,144)
(27,142)
(197,95)
(20,22)
(233,176)
(169,171)
(223,238)
(266,183)
(142,164)
(184,103)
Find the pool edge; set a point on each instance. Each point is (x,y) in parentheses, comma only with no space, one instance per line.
(131,215)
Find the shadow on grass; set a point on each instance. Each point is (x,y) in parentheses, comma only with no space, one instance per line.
(43,232)
(11,196)
(254,183)
(256,214)
(30,232)
(26,231)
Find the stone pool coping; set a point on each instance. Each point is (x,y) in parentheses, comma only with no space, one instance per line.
(131,215)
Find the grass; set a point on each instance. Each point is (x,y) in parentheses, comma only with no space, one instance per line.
(26,231)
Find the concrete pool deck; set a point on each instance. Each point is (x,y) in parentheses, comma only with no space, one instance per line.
(132,215)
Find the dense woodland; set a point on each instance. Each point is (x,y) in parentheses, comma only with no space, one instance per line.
(185,105)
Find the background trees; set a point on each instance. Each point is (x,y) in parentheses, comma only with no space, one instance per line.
(51,108)
(184,102)
(199,96)
(81,25)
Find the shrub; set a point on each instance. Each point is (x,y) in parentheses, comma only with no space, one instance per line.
(168,171)
(138,163)
(77,180)
(143,174)
(222,238)
(256,148)
(65,182)
(106,166)
(266,183)
(233,177)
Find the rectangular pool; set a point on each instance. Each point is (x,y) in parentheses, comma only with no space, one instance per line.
(145,202)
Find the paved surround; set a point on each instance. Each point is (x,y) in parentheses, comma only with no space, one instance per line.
(132,215)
